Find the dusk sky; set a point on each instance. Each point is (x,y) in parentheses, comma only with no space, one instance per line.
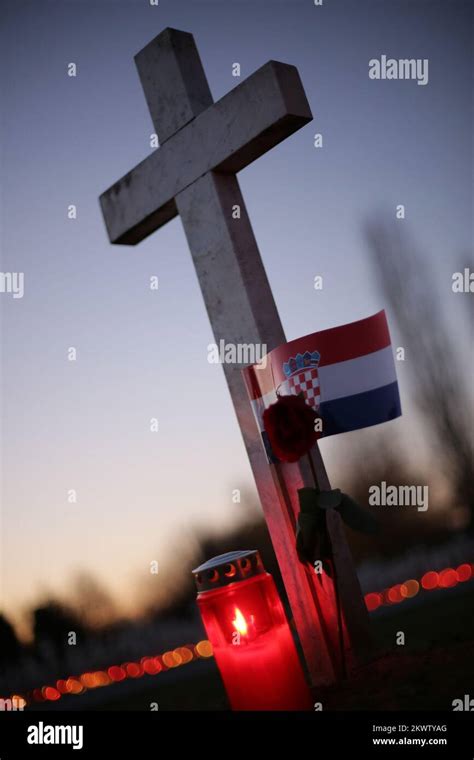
(141,354)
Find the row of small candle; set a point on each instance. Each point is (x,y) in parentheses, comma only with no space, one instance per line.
(430,581)
(153,665)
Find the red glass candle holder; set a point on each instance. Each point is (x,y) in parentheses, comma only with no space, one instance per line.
(252,642)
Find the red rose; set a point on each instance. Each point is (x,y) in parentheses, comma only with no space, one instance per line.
(289,424)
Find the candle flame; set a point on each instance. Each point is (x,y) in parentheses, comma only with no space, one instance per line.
(239,622)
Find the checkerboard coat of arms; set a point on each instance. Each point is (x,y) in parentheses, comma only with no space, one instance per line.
(301,372)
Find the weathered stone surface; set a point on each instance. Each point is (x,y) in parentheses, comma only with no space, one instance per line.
(173,80)
(244,124)
(242,310)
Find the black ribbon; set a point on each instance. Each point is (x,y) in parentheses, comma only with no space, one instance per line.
(312,539)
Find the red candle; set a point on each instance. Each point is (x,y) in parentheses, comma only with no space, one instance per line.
(252,642)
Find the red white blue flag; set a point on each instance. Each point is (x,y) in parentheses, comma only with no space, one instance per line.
(347,374)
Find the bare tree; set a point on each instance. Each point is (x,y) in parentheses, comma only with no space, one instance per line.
(93,603)
(10,646)
(441,390)
(52,625)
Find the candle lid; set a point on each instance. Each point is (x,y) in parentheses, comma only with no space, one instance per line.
(228,568)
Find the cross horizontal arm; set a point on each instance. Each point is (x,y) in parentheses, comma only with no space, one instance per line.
(254,117)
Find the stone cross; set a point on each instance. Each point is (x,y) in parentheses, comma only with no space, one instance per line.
(202,146)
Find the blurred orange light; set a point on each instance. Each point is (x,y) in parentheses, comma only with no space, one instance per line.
(464,573)
(448,578)
(185,654)
(409,588)
(116,673)
(134,670)
(18,702)
(87,680)
(171,659)
(373,601)
(204,649)
(430,580)
(151,665)
(74,686)
(50,693)
(93,679)
(394,594)
(102,679)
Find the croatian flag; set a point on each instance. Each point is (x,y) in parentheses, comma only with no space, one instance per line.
(347,374)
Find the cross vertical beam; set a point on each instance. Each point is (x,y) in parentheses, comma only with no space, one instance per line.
(241,310)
